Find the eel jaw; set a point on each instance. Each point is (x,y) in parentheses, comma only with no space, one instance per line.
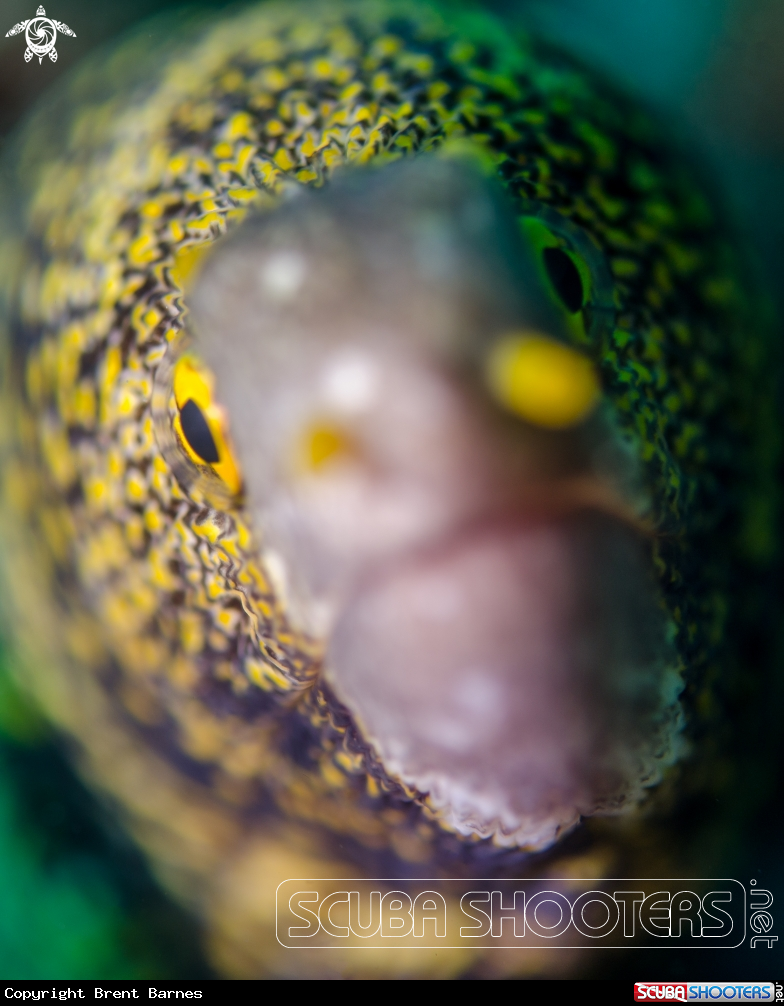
(514,675)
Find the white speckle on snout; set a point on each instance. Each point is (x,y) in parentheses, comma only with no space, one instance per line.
(480,692)
(438,599)
(350,383)
(283,274)
(467,718)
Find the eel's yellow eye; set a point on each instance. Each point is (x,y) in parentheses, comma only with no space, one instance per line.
(541,380)
(200,423)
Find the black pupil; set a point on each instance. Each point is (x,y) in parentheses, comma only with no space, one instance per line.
(565,278)
(197,432)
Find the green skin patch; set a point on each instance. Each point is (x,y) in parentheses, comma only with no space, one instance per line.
(153,632)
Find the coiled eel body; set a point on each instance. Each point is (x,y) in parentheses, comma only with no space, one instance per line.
(153,622)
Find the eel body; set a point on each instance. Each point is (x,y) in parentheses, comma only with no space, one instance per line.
(150,616)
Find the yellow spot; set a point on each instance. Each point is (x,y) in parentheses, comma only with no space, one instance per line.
(387,45)
(115,463)
(153,518)
(151,209)
(274,79)
(283,160)
(243,195)
(382,82)
(178,164)
(323,68)
(194,197)
(154,356)
(437,90)
(624,267)
(322,443)
(419,62)
(232,81)
(262,102)
(222,150)
(332,775)
(143,250)
(96,492)
(214,586)
(187,263)
(135,486)
(205,226)
(332,156)
(265,675)
(160,572)
(152,317)
(244,537)
(243,157)
(191,632)
(134,532)
(240,125)
(258,577)
(308,147)
(208,528)
(176,231)
(541,380)
(144,320)
(226,619)
(269,173)
(57,454)
(84,404)
(202,165)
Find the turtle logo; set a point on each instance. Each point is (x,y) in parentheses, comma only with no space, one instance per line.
(40,32)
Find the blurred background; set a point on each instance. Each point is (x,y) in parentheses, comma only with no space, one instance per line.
(76,899)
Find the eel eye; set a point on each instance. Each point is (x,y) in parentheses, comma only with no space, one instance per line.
(565,278)
(193,429)
(572,271)
(196,431)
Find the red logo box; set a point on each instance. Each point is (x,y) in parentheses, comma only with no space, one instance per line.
(651,992)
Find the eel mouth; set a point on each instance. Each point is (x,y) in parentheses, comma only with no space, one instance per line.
(512,674)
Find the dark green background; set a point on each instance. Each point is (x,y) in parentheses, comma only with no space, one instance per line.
(76,899)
